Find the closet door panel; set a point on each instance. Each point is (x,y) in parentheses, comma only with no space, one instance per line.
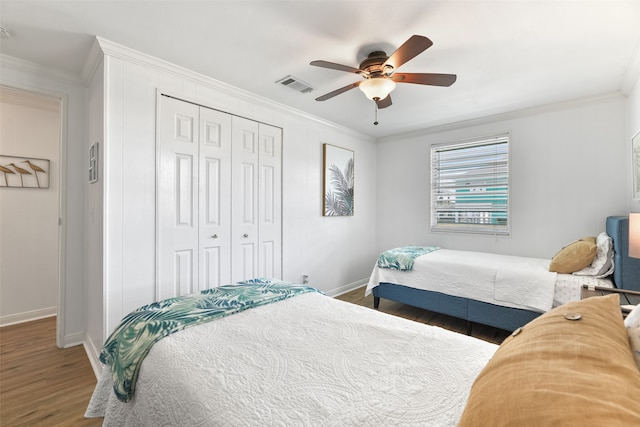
(177,198)
(244,181)
(214,199)
(246,262)
(247,195)
(183,268)
(270,202)
(218,199)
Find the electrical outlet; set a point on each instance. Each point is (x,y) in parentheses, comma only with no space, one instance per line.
(305,279)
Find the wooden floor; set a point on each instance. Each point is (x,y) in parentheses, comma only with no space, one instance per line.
(42,385)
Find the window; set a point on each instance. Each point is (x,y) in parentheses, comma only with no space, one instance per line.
(470,186)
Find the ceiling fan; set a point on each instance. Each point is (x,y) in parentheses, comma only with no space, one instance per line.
(380,78)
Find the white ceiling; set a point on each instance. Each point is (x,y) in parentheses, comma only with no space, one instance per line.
(507,54)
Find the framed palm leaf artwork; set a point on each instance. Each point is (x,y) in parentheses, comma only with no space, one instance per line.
(338,181)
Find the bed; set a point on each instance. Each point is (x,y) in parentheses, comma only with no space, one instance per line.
(474,295)
(305,360)
(308,359)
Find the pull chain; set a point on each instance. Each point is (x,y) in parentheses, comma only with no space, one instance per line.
(376,112)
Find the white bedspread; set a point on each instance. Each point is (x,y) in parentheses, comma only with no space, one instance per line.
(310,360)
(505,280)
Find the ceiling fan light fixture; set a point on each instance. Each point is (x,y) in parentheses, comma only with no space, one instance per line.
(378,71)
(377,87)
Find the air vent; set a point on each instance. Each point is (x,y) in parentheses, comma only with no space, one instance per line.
(295,84)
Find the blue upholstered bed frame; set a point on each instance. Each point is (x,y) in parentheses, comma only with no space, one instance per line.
(626,276)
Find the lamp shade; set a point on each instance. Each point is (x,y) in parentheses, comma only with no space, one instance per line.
(634,235)
(377,87)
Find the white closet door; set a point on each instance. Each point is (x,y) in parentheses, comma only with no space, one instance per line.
(219,199)
(177,198)
(244,203)
(270,202)
(214,199)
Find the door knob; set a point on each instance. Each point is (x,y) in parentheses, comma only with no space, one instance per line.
(245,235)
(215,236)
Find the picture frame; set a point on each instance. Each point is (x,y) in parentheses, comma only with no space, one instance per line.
(93,163)
(24,172)
(635,165)
(339,179)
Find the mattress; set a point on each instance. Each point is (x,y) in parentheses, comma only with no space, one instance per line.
(307,360)
(504,280)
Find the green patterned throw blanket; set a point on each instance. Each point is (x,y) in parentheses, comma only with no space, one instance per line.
(131,341)
(403,258)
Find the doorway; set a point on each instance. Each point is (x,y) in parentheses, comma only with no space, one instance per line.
(30,235)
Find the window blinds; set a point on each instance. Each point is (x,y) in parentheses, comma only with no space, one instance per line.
(470,186)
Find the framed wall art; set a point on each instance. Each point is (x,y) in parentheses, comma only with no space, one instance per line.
(338,164)
(24,172)
(635,165)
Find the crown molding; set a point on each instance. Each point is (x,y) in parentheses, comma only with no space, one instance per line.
(510,115)
(29,99)
(632,74)
(92,62)
(23,65)
(103,47)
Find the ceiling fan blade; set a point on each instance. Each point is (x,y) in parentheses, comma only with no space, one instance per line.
(334,66)
(409,50)
(431,79)
(338,91)
(384,103)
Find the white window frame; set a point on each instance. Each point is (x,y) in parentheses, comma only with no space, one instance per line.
(484,165)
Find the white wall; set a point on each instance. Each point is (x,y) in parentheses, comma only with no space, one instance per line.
(28,76)
(568,173)
(29,127)
(94,224)
(336,253)
(561,148)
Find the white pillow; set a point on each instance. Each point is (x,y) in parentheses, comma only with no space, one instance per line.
(632,323)
(633,319)
(602,264)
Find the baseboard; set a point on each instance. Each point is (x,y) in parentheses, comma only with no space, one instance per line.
(93,354)
(72,340)
(346,288)
(27,316)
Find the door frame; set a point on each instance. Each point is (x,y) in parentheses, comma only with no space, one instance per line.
(62,200)
(62,223)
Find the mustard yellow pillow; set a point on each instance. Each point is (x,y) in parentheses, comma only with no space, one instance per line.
(575,256)
(560,372)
